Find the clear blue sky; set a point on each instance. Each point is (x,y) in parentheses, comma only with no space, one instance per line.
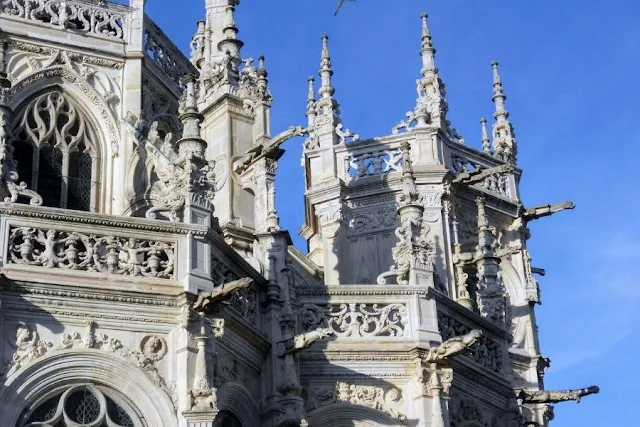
(571,70)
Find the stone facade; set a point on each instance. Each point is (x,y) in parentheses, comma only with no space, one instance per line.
(146,281)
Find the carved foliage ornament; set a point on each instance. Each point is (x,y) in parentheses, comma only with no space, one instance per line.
(77,251)
(385,400)
(24,338)
(356,320)
(76,15)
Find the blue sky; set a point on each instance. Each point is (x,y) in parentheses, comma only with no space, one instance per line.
(571,70)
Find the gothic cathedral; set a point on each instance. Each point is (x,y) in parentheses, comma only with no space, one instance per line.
(145,280)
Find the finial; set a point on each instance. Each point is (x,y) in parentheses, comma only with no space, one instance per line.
(262,70)
(499,97)
(190,92)
(483,221)
(326,90)
(427,50)
(486,142)
(311,103)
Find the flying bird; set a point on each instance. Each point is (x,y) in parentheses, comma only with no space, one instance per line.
(340,3)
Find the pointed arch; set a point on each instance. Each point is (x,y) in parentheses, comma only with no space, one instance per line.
(39,382)
(58,149)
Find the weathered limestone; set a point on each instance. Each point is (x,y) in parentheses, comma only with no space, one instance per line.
(146,279)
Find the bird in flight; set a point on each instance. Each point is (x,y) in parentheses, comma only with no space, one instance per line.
(340,3)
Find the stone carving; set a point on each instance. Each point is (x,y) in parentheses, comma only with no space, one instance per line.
(77,251)
(373,220)
(453,347)
(491,179)
(221,272)
(202,396)
(356,320)
(464,411)
(269,149)
(542,211)
(79,16)
(345,135)
(485,352)
(373,162)
(303,341)
(151,349)
(384,400)
(24,338)
(544,396)
(206,301)
(161,50)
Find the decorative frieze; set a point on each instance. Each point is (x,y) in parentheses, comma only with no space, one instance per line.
(28,346)
(387,400)
(50,248)
(78,16)
(485,352)
(356,320)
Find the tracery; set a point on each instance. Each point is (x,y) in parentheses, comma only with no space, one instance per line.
(80,405)
(56,150)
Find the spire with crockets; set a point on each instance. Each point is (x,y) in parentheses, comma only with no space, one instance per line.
(504,142)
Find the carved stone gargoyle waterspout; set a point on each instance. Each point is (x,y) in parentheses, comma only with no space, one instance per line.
(544,396)
(452,347)
(206,301)
(303,341)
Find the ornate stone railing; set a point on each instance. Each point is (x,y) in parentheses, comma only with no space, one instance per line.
(59,248)
(98,18)
(161,50)
(368,158)
(360,311)
(356,320)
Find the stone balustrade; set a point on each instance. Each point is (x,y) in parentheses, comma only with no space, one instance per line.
(98,19)
(161,50)
(368,158)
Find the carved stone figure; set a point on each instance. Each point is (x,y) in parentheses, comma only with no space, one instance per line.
(303,341)
(544,396)
(206,301)
(453,347)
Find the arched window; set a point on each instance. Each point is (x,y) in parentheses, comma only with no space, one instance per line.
(81,405)
(56,151)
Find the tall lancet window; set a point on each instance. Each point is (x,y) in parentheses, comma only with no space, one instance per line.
(57,152)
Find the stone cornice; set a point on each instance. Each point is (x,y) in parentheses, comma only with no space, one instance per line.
(112,221)
(362,290)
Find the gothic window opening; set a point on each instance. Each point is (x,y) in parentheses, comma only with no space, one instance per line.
(56,151)
(81,405)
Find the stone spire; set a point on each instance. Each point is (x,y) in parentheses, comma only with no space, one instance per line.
(431,106)
(311,103)
(327,102)
(504,143)
(486,142)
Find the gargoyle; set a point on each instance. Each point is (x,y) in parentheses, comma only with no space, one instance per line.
(302,341)
(268,149)
(207,300)
(452,347)
(544,396)
(478,175)
(541,211)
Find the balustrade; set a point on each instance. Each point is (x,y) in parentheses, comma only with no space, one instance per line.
(161,50)
(100,18)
